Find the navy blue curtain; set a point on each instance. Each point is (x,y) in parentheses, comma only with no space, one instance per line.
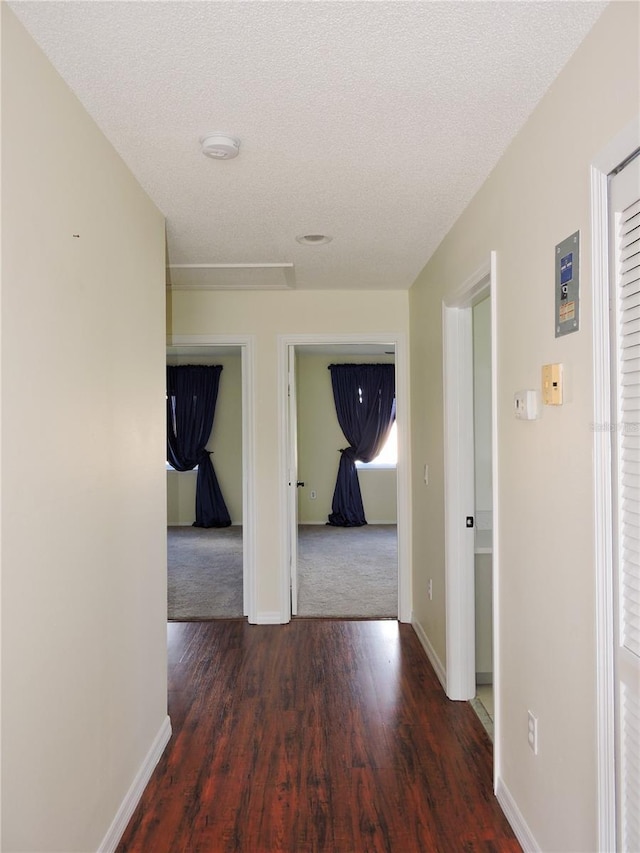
(192,391)
(364,395)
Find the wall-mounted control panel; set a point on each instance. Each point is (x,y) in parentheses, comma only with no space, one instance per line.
(526,405)
(552,384)
(567,317)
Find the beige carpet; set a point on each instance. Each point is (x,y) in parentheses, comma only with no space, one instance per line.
(204,573)
(348,571)
(344,572)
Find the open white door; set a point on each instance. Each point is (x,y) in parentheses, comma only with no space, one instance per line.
(292,443)
(459,483)
(459,502)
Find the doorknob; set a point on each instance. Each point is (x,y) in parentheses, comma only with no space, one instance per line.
(298,484)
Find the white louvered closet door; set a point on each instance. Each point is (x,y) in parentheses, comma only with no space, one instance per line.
(625,229)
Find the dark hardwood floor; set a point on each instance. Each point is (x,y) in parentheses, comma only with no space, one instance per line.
(318,735)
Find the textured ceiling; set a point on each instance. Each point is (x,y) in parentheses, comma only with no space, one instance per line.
(373,122)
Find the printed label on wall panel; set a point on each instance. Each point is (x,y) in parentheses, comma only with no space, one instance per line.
(567,317)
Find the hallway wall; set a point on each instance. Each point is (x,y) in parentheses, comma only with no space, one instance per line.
(538,194)
(265,316)
(84,684)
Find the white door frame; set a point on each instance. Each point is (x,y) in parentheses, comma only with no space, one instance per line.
(246,345)
(292,476)
(399,341)
(615,153)
(459,482)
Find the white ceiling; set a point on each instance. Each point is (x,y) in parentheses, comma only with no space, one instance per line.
(373,122)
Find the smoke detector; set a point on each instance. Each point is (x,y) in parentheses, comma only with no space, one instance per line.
(314,239)
(219,146)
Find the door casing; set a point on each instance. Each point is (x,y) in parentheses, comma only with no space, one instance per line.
(606,162)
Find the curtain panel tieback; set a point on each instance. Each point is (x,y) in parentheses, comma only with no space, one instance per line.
(349,453)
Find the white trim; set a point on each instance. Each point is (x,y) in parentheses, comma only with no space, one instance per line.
(190,523)
(376,466)
(292,494)
(399,341)
(615,153)
(249,574)
(495,519)
(283,484)
(516,820)
(229,266)
(459,481)
(136,790)
(288,271)
(246,343)
(434,660)
(403,479)
(269,617)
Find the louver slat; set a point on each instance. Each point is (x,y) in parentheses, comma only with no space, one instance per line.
(628,340)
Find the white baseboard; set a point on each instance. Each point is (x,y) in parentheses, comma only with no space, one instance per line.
(269,617)
(435,661)
(324,523)
(190,524)
(514,816)
(133,795)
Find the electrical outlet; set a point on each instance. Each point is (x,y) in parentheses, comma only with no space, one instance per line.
(313,495)
(426,474)
(430,590)
(532,734)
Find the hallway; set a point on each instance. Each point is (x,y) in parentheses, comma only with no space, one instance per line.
(319,735)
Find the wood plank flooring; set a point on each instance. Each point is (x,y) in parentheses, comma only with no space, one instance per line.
(319,735)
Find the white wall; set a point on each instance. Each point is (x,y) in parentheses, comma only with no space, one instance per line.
(225,442)
(320,438)
(537,195)
(83,483)
(266,316)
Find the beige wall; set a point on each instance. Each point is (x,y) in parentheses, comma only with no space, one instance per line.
(320,438)
(265,316)
(83,547)
(536,196)
(225,441)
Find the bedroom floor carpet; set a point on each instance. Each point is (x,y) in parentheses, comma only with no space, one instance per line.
(344,572)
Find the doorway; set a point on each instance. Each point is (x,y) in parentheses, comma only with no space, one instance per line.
(466,532)
(293,495)
(346,572)
(483,507)
(211,570)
